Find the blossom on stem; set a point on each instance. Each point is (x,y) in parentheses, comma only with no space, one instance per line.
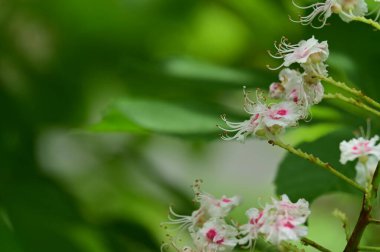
(368,154)
(277,222)
(217,208)
(302,89)
(210,207)
(215,235)
(251,230)
(281,115)
(265,120)
(346,9)
(310,54)
(359,148)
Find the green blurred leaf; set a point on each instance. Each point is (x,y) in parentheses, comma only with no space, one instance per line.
(143,115)
(299,178)
(8,241)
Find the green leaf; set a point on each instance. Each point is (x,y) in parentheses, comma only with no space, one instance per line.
(142,116)
(298,178)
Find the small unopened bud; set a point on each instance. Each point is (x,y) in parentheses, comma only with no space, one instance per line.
(336,8)
(276,90)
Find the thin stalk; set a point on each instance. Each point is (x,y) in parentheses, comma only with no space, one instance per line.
(360,226)
(371,22)
(315,245)
(374,221)
(316,161)
(352,101)
(369,248)
(351,90)
(365,213)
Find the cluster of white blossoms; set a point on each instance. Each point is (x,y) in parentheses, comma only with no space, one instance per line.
(368,154)
(280,221)
(346,9)
(295,92)
(210,232)
(207,225)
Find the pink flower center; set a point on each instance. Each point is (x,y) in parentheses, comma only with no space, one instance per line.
(211,236)
(361,148)
(254,221)
(289,225)
(294,95)
(225,200)
(282,112)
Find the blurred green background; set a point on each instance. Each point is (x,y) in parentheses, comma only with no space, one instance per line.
(108,111)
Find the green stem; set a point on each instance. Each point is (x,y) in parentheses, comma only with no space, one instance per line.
(352,101)
(315,245)
(316,161)
(371,22)
(374,221)
(369,248)
(353,91)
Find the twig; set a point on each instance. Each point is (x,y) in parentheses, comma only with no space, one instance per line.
(316,161)
(352,101)
(374,221)
(353,91)
(371,22)
(364,217)
(315,245)
(369,248)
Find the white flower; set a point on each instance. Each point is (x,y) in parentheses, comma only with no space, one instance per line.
(365,171)
(299,210)
(293,83)
(359,147)
(284,220)
(283,228)
(251,230)
(283,114)
(314,92)
(303,89)
(277,222)
(309,53)
(209,208)
(347,10)
(267,121)
(215,235)
(217,208)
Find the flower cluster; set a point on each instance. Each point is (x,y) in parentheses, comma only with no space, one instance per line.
(278,222)
(295,92)
(346,9)
(207,225)
(265,120)
(368,154)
